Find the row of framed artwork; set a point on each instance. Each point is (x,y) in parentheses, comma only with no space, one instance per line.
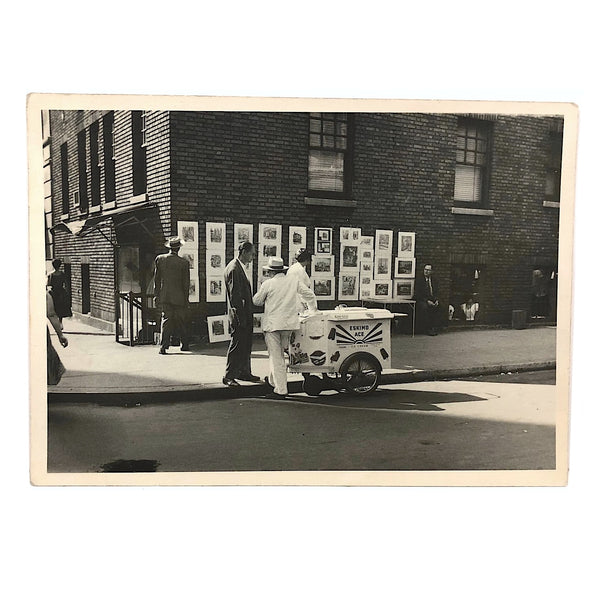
(380,267)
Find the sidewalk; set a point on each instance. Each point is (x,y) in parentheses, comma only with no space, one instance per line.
(99,366)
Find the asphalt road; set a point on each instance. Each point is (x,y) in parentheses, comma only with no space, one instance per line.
(499,422)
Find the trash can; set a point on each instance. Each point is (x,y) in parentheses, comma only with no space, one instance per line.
(519,319)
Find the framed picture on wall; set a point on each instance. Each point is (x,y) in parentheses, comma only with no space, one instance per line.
(323,265)
(406,244)
(348,286)
(215,288)
(269,234)
(323,240)
(382,290)
(215,235)
(366,286)
(191,256)
(404,289)
(257,323)
(382,266)
(324,287)
(194,294)
(242,232)
(215,261)
(404,267)
(218,329)
(383,241)
(349,257)
(188,232)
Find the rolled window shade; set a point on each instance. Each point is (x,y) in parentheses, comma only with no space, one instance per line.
(467,183)
(326,171)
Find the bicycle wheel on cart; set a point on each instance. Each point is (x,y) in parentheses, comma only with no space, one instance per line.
(360,373)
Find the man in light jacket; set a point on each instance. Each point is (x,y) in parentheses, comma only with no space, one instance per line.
(298,271)
(279,294)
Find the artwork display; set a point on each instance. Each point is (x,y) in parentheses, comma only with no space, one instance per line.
(218,329)
(405,267)
(242,232)
(323,287)
(215,235)
(269,244)
(323,240)
(191,256)
(257,323)
(269,234)
(406,244)
(323,265)
(367,241)
(194,289)
(349,257)
(188,232)
(366,286)
(382,267)
(215,261)
(349,235)
(383,241)
(348,286)
(382,290)
(296,241)
(215,288)
(404,289)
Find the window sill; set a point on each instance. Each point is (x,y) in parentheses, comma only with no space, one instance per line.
(338,202)
(64,217)
(110,205)
(551,204)
(95,209)
(482,212)
(139,198)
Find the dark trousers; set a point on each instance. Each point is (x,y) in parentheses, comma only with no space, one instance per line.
(428,317)
(238,353)
(173,322)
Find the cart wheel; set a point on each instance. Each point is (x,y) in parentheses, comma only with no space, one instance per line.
(360,373)
(312,385)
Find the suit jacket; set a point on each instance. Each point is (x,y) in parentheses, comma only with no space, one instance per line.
(422,293)
(239,295)
(171,279)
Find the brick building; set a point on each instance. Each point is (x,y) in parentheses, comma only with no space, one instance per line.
(481,193)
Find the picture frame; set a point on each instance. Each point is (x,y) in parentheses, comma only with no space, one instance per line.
(350,235)
(382,267)
(191,256)
(349,257)
(269,233)
(323,240)
(215,235)
(324,287)
(218,329)
(188,232)
(215,288)
(366,241)
(404,268)
(215,261)
(296,241)
(242,232)
(383,241)
(406,244)
(348,286)
(404,289)
(322,265)
(382,290)
(366,286)
(257,323)
(194,293)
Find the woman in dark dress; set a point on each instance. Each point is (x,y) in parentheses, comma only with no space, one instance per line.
(57,282)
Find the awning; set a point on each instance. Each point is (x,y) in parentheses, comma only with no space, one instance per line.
(121,217)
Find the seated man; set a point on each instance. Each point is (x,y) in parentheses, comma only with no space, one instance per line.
(428,306)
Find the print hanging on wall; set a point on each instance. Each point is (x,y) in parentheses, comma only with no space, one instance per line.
(297,241)
(406,244)
(324,287)
(382,290)
(350,235)
(323,265)
(404,289)
(366,286)
(323,240)
(192,257)
(242,232)
(383,268)
(383,242)
(194,295)
(405,267)
(215,288)
(215,261)
(188,232)
(215,235)
(348,286)
(349,257)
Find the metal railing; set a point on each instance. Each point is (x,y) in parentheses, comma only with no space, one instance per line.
(136,320)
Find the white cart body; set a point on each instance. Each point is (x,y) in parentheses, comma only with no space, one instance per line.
(328,337)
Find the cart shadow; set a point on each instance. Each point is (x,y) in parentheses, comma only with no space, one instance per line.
(381,399)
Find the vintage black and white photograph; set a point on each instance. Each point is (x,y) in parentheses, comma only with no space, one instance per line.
(466,379)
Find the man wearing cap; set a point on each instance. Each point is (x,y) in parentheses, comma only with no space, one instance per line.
(279,294)
(240,311)
(171,294)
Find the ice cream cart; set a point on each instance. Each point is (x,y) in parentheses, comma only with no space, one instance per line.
(345,349)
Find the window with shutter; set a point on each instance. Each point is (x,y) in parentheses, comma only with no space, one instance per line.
(329,160)
(472,161)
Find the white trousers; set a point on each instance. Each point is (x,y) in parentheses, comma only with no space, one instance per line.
(277,342)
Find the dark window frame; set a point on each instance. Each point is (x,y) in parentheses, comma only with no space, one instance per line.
(108,125)
(139,164)
(82,170)
(481,126)
(323,136)
(64,174)
(95,163)
(554,166)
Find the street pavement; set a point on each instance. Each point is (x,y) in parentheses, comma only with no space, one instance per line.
(97,367)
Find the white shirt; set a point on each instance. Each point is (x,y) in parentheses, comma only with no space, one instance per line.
(299,272)
(280,298)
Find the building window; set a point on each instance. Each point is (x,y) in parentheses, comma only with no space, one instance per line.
(64,175)
(82,171)
(95,163)
(45,125)
(139,152)
(553,169)
(108,125)
(472,161)
(330,155)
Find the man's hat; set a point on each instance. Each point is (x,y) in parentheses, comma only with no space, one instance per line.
(174,242)
(276,265)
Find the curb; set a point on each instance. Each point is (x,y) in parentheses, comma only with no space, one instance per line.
(217,391)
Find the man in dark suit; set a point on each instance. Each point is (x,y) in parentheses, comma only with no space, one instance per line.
(171,294)
(240,310)
(428,306)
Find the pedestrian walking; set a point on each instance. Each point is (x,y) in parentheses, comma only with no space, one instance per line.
(279,295)
(240,314)
(171,294)
(54,367)
(57,282)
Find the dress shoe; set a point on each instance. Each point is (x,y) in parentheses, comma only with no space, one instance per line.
(266,380)
(185,348)
(249,377)
(230,382)
(162,351)
(274,396)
